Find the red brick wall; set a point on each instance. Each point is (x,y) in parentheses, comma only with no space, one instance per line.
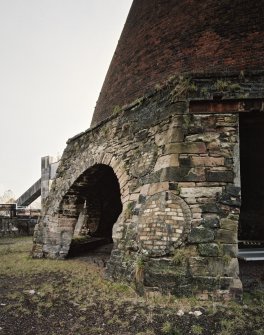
(165,37)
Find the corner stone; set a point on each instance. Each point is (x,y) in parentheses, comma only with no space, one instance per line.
(226,236)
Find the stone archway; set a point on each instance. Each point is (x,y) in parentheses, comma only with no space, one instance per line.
(92,205)
(92,197)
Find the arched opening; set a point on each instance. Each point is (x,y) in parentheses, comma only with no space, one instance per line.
(93,204)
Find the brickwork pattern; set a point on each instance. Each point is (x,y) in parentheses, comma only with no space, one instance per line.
(164,38)
(164,223)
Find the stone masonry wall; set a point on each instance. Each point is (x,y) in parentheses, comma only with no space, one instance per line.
(178,174)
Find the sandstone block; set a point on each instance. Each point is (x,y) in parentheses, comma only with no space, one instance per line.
(166,161)
(157,187)
(226,236)
(185,148)
(204,137)
(198,266)
(190,192)
(232,268)
(230,249)
(229,224)
(219,266)
(209,249)
(210,208)
(174,174)
(207,161)
(201,235)
(196,174)
(214,145)
(144,189)
(134,196)
(174,134)
(211,221)
(181,174)
(220,176)
(233,190)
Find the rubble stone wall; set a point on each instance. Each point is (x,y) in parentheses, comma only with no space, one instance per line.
(178,173)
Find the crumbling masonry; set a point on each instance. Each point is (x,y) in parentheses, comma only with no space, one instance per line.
(159,169)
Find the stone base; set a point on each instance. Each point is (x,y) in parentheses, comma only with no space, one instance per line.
(168,276)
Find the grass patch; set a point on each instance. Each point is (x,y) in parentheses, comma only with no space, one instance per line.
(40,296)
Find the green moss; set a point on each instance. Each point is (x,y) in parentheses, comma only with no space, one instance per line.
(129,210)
(183,87)
(197,329)
(182,255)
(204,91)
(179,257)
(226,259)
(158,87)
(168,329)
(117,109)
(139,270)
(138,101)
(226,85)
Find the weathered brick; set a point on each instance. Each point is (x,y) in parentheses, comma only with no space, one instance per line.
(214,40)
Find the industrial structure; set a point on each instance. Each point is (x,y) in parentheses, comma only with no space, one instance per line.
(18,218)
(171,168)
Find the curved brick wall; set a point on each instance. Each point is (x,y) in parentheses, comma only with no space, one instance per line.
(165,37)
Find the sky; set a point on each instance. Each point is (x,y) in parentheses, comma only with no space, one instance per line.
(54,55)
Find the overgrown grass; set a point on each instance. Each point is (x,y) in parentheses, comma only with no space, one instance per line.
(76,299)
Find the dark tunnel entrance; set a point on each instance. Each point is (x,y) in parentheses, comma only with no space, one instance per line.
(251,222)
(251,225)
(98,206)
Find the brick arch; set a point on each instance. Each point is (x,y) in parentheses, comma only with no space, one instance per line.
(111,161)
(95,194)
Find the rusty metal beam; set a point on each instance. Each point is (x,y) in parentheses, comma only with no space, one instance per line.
(226,106)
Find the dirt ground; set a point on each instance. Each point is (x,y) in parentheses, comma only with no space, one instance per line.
(72,297)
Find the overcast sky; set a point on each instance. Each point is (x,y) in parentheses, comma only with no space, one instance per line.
(54,55)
